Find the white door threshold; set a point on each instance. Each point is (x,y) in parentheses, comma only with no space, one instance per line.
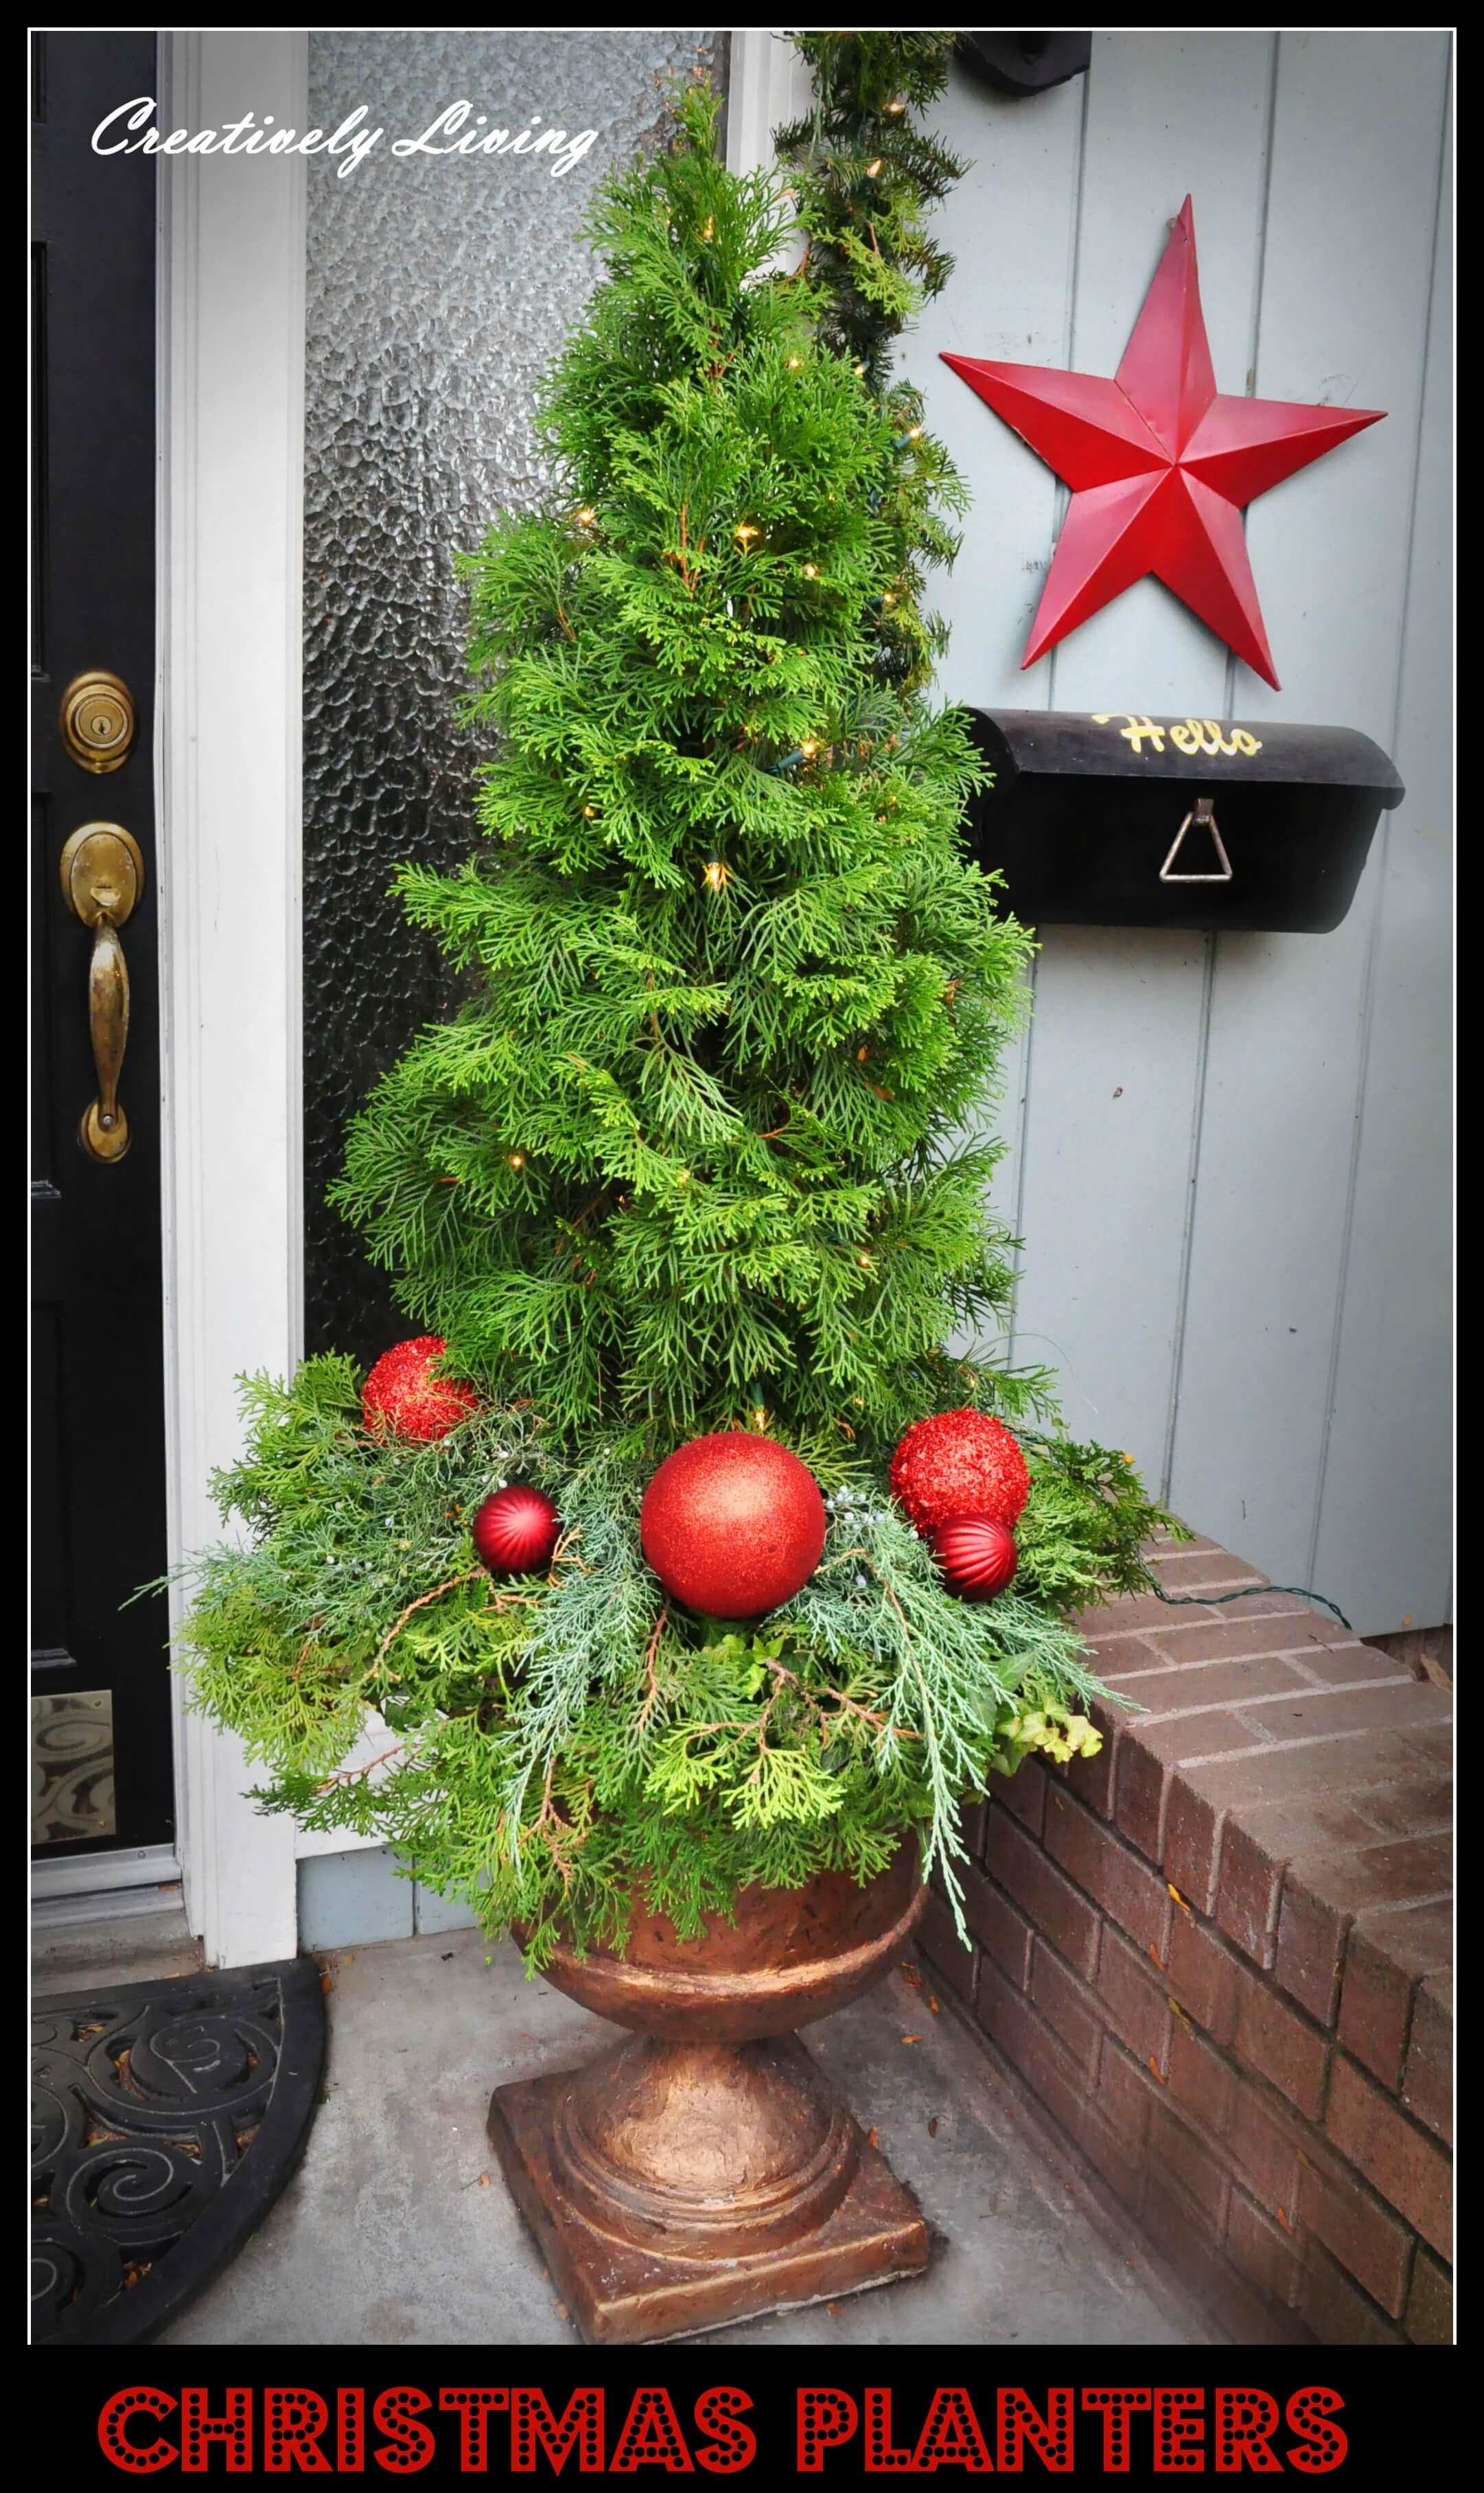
(97,1874)
(104,1904)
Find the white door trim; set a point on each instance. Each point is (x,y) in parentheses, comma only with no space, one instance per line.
(766,84)
(228,779)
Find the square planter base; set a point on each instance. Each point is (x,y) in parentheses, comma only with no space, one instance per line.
(620,2295)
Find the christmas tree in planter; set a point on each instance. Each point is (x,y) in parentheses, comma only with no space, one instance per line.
(697,1584)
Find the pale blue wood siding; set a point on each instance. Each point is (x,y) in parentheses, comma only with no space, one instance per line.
(1229,1158)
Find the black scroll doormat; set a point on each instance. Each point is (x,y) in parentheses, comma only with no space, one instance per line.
(166,2119)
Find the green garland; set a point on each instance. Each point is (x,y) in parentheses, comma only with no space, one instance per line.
(864,176)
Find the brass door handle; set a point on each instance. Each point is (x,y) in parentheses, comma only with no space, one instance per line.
(103,875)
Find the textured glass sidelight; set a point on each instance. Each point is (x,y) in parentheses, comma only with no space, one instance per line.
(439,288)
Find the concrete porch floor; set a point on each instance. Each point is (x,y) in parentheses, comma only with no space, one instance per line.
(396,2230)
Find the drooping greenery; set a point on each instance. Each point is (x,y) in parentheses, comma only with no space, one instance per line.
(550,1741)
(689,1155)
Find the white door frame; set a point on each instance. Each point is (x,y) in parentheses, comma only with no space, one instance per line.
(228,781)
(766,84)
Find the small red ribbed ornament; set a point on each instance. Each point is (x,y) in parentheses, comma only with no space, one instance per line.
(976,1555)
(960,1462)
(403,1394)
(515,1531)
(733,1524)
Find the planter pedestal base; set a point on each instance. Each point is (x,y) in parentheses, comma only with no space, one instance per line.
(676,2186)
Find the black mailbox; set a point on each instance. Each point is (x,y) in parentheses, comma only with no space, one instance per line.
(1111,819)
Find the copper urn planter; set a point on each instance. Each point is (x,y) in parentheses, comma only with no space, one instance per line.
(703,2171)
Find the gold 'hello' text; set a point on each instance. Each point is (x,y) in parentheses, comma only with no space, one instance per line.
(1187,734)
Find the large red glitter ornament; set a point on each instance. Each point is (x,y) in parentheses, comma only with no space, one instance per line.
(733,1524)
(1159,464)
(405,1397)
(962,1462)
(976,1555)
(516,1530)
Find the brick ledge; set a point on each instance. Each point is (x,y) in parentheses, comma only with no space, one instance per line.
(1220,1954)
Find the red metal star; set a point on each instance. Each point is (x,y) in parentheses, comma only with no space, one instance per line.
(1160,465)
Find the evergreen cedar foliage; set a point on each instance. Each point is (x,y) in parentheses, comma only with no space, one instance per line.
(696,1145)
(692,1155)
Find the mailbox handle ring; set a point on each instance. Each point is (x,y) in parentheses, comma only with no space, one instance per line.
(1204,811)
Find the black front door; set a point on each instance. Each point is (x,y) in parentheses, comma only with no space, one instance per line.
(101,1740)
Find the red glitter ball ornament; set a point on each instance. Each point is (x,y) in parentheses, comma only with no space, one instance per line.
(733,1524)
(978,1556)
(515,1531)
(962,1462)
(403,1397)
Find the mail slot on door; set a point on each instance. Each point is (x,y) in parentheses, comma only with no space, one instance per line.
(1112,818)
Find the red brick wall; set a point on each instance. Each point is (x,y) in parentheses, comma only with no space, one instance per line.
(1219,1954)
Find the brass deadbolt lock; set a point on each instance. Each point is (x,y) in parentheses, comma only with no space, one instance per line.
(97,720)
